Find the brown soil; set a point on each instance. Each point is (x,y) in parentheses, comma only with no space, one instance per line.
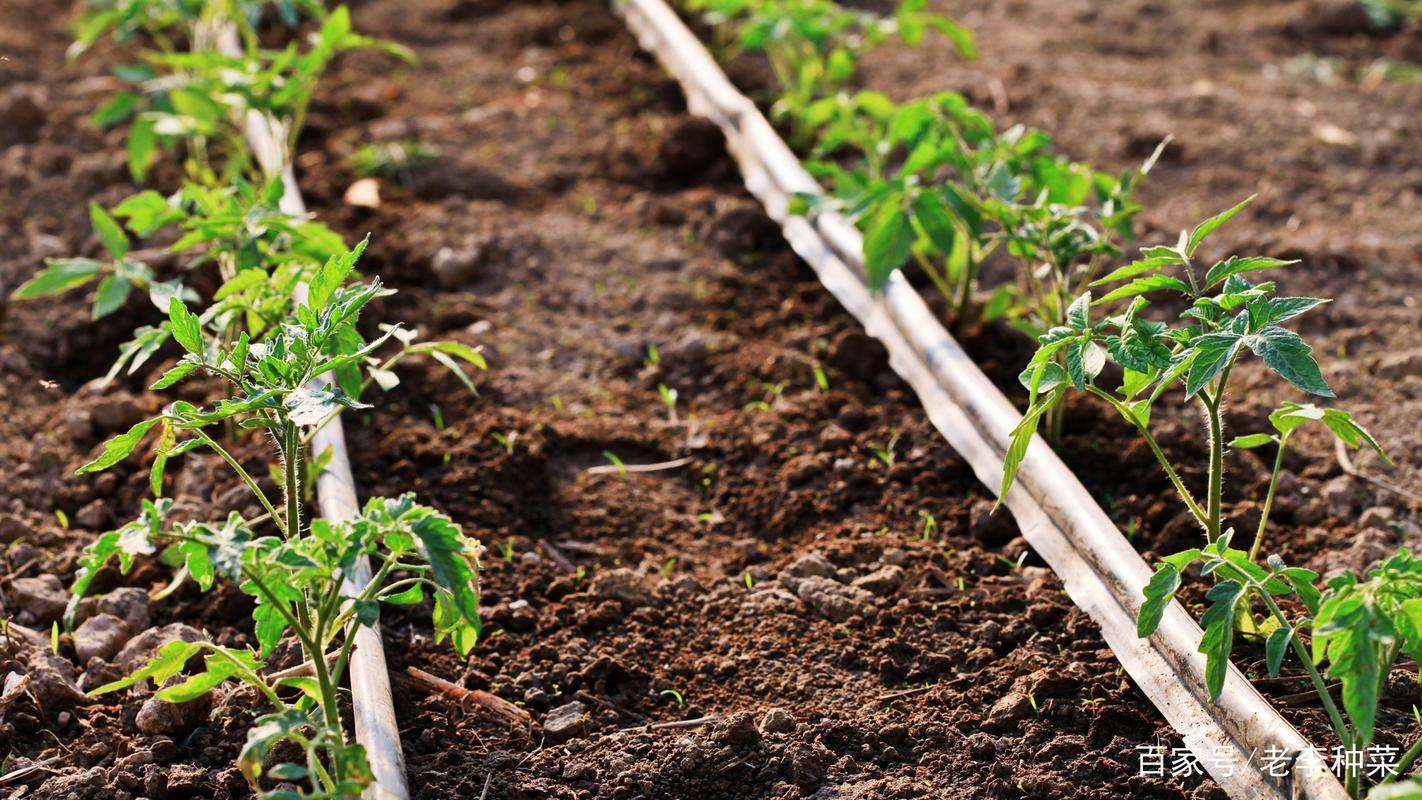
(586,216)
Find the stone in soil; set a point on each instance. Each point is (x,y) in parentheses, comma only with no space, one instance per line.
(882,582)
(834,601)
(43,597)
(100,636)
(565,722)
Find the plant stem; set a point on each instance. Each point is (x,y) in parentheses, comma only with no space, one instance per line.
(1406,761)
(1214,405)
(1212,520)
(1269,498)
(965,291)
(291,452)
(1345,735)
(242,473)
(1170,472)
(938,281)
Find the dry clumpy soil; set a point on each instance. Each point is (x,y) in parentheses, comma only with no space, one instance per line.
(778,579)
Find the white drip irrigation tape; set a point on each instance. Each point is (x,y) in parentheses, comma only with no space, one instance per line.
(1100,570)
(371,701)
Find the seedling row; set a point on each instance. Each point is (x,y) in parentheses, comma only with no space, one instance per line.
(936,189)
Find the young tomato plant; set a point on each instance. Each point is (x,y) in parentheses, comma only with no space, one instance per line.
(1359,628)
(299,574)
(814,46)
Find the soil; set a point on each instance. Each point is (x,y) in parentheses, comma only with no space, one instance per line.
(778,580)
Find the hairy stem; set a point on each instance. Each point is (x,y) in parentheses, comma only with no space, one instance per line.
(292,454)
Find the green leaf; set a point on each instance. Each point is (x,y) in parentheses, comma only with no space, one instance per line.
(110,234)
(448,554)
(932,215)
(1235,265)
(1085,360)
(142,141)
(1150,283)
(167,662)
(1402,790)
(332,274)
(1135,268)
(1050,376)
(1142,347)
(119,447)
(194,687)
(1159,591)
(269,731)
(1275,648)
(1285,353)
(185,326)
(242,281)
(112,293)
(146,212)
(178,371)
(1021,438)
(118,108)
(1214,351)
(1275,310)
(1212,224)
(886,244)
(59,275)
(1252,440)
(1218,641)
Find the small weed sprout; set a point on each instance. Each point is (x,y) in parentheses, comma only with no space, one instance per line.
(930,525)
(668,396)
(505,440)
(886,452)
(616,462)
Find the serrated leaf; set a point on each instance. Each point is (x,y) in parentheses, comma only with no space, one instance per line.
(1021,439)
(1274,649)
(112,293)
(185,327)
(332,274)
(1140,267)
(1085,360)
(1285,353)
(111,236)
(1159,591)
(1214,351)
(1212,224)
(59,275)
(1050,376)
(178,371)
(1275,310)
(1234,265)
(119,447)
(1078,314)
(167,662)
(1218,641)
(886,244)
(1149,283)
